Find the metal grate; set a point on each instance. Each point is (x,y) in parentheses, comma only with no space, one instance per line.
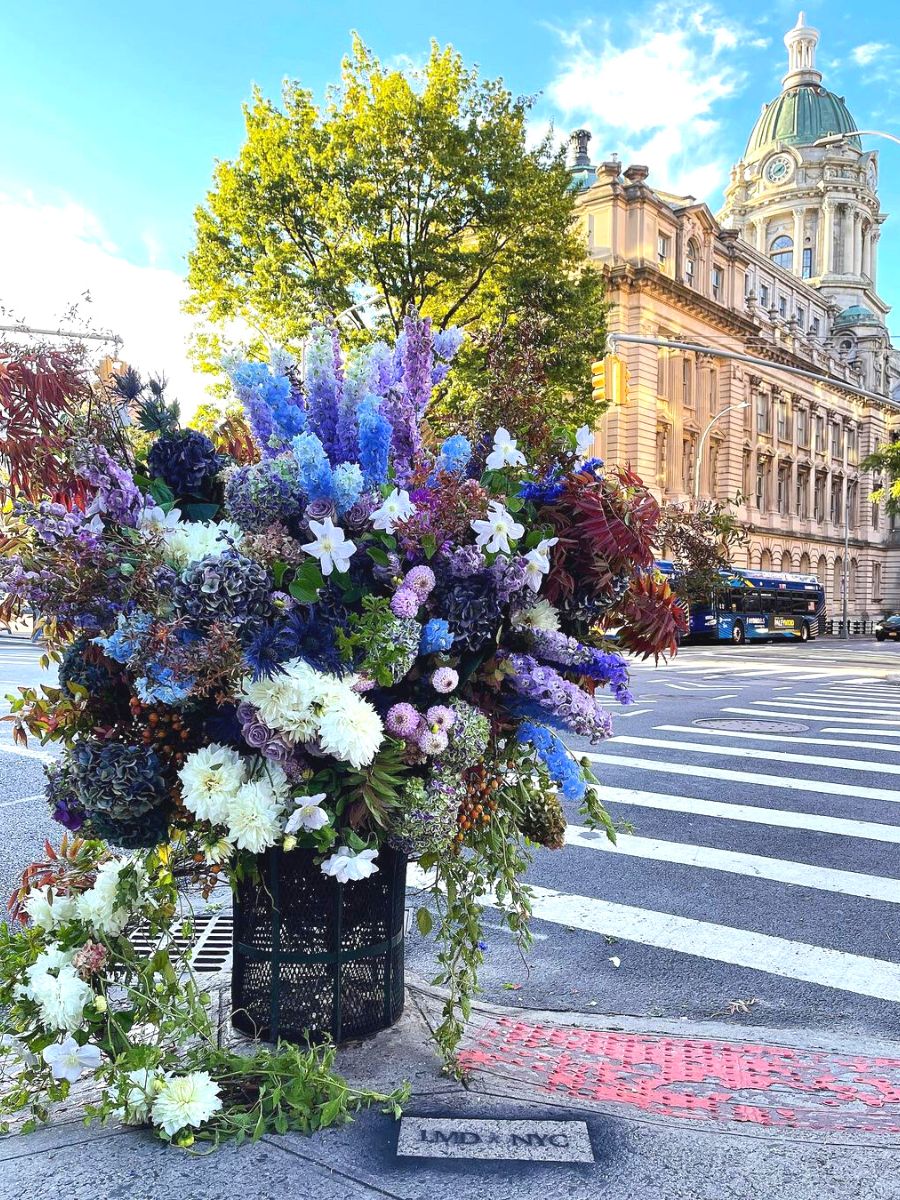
(737,725)
(209,941)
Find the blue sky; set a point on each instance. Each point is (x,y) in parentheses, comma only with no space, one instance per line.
(114,113)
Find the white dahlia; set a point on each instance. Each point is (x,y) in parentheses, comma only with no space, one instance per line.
(47,910)
(255,817)
(209,779)
(349,727)
(185,1100)
(189,541)
(99,906)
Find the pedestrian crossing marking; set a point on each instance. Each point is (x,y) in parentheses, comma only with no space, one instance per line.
(749,777)
(781,738)
(808,716)
(847,883)
(843,764)
(779,818)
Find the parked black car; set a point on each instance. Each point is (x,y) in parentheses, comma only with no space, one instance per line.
(888,628)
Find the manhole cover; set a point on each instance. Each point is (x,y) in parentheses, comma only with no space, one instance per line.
(737,725)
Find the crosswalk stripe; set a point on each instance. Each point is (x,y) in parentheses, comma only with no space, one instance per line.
(841,704)
(722,943)
(752,777)
(808,716)
(783,739)
(872,831)
(881,732)
(826,879)
(844,764)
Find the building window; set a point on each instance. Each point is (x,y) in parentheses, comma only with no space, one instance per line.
(836,439)
(784,421)
(663,242)
(748,284)
(761,484)
(801,315)
(820,498)
(814,326)
(717,283)
(687,464)
(852,494)
(781,252)
(803,427)
(687,381)
(837,512)
(853,445)
(876,513)
(764,295)
(762,414)
(876,581)
(820,433)
(782,306)
(784,484)
(802,497)
(662,452)
(807,262)
(690,263)
(713,466)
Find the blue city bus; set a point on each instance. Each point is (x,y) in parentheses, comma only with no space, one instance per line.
(758,605)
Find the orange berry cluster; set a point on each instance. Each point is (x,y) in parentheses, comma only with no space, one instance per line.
(163,729)
(479,803)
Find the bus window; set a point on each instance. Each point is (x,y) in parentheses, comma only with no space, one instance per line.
(727,602)
(768,602)
(748,602)
(786,603)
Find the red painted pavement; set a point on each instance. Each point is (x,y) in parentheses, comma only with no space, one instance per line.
(698,1080)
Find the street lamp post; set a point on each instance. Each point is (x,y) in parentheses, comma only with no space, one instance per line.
(835,139)
(703,436)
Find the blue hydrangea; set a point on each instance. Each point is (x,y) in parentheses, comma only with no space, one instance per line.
(374,441)
(455,454)
(128,638)
(436,637)
(551,750)
(160,686)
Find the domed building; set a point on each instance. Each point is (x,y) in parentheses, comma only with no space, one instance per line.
(775,376)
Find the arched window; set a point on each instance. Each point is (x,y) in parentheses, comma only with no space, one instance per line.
(765,560)
(804,564)
(786,564)
(690,263)
(781,251)
(822,569)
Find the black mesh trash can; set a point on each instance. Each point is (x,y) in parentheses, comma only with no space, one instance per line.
(315,959)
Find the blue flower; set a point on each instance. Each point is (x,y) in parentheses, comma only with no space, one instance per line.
(551,750)
(374,441)
(160,686)
(436,637)
(455,454)
(128,638)
(347,486)
(313,468)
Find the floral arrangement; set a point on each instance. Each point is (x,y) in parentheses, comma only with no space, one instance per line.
(358,637)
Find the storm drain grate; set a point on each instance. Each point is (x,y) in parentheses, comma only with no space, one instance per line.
(209,941)
(737,725)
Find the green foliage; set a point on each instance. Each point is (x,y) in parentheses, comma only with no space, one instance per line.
(382,645)
(417,187)
(700,541)
(886,462)
(365,795)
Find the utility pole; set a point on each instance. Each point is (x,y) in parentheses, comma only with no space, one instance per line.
(845,589)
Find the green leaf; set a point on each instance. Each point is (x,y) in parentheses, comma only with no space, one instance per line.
(429,545)
(198,511)
(161,492)
(515,503)
(424,921)
(307,582)
(378,556)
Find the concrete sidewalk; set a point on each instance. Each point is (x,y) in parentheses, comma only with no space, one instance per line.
(668,1111)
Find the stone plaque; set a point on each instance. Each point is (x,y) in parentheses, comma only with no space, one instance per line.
(456,1137)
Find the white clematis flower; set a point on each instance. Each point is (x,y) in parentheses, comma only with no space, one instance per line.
(538,563)
(396,508)
(505,452)
(67,1060)
(494,532)
(308,815)
(331,547)
(347,865)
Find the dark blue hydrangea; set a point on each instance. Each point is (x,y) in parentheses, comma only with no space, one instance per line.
(184,461)
(224,587)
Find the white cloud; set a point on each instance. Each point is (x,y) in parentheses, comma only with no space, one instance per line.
(53,253)
(867,52)
(651,92)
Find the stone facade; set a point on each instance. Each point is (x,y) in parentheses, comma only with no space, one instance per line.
(786,275)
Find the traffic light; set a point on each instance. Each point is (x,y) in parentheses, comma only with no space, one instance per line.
(609,380)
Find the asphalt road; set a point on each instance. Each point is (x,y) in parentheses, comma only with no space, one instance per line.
(760,879)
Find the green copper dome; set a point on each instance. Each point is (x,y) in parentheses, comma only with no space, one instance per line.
(800,116)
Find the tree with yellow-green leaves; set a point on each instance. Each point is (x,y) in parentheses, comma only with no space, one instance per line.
(885,461)
(417,187)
